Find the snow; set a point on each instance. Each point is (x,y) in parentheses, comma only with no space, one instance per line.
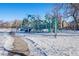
(7,29)
(8,44)
(2,40)
(49,45)
(45,44)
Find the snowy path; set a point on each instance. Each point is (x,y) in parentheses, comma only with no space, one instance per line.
(37,50)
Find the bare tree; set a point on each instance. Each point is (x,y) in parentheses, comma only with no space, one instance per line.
(16,23)
(72,9)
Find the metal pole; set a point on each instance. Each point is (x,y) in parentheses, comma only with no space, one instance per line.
(50,25)
(55,27)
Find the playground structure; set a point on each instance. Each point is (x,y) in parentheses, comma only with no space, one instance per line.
(54,25)
(28,28)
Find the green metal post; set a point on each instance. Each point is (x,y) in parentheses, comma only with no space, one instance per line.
(55,27)
(49,29)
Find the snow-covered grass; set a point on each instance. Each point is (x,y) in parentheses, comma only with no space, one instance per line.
(7,29)
(49,45)
(2,42)
(44,44)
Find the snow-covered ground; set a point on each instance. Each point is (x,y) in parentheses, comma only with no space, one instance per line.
(7,29)
(3,38)
(41,45)
(45,44)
